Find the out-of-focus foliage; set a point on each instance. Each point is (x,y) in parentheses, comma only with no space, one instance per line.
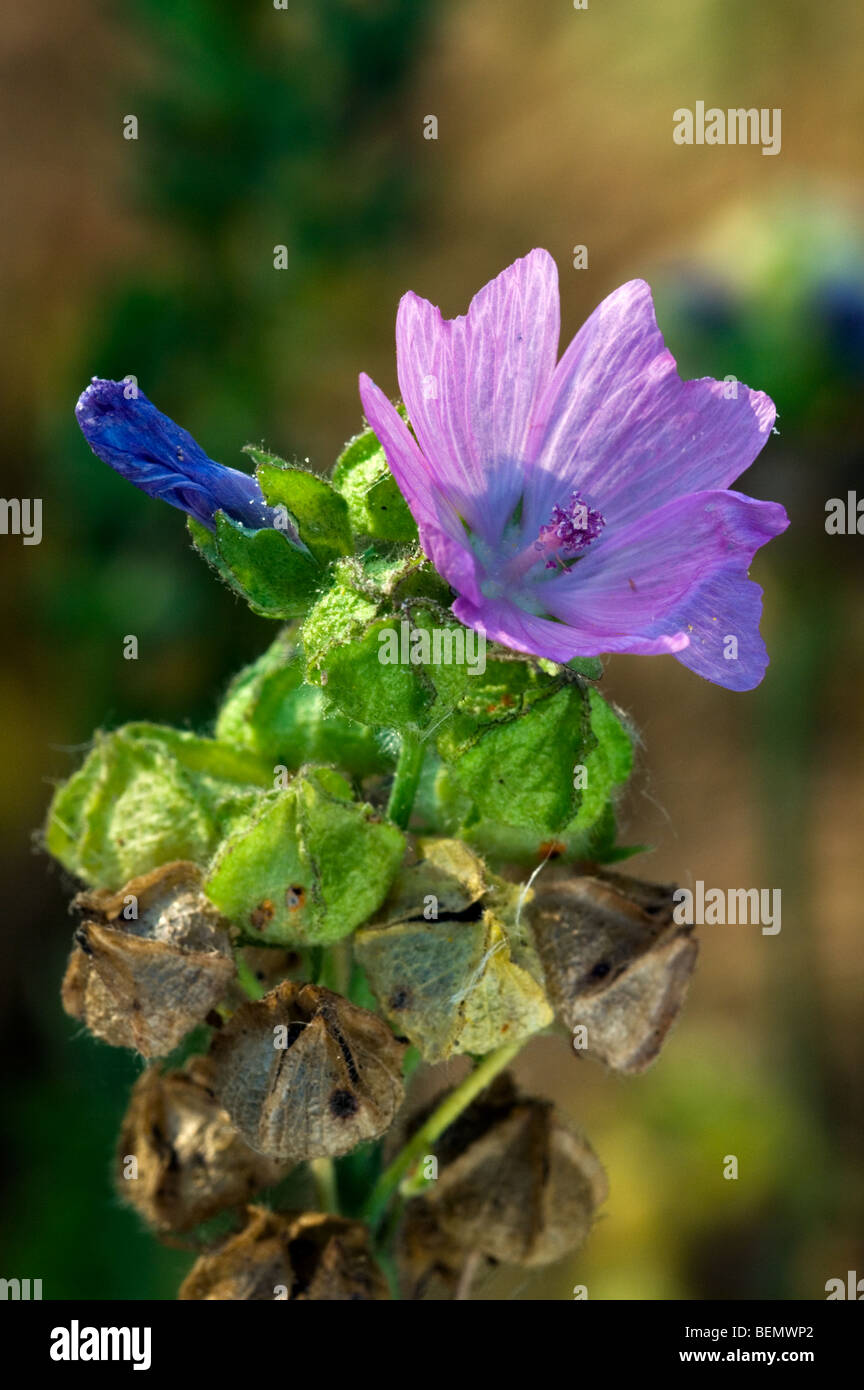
(301,128)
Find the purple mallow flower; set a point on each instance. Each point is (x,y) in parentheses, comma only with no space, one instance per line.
(579,508)
(125,430)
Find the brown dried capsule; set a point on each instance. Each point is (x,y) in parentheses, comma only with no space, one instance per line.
(149,962)
(306,1258)
(179,1158)
(303,1073)
(430,1263)
(515,1184)
(616,964)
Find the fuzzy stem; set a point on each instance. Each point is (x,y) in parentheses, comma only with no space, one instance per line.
(251,987)
(335,972)
(323,1174)
(420,1143)
(404,789)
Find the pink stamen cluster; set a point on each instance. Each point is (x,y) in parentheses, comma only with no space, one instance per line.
(570,530)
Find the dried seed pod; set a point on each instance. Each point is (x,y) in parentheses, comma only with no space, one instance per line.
(303,1073)
(515,1184)
(452,964)
(149,962)
(190,1162)
(615,962)
(306,1258)
(446,870)
(164,905)
(430,1262)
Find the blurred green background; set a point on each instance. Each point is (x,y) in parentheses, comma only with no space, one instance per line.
(303,127)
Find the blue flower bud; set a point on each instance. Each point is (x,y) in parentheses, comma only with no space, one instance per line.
(126,431)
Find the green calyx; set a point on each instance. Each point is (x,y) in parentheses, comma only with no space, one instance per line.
(361,649)
(545,782)
(147,795)
(273,712)
(282,569)
(376,508)
(307,864)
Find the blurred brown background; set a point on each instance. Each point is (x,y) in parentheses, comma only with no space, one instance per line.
(304,127)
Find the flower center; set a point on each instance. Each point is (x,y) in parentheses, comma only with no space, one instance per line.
(568,532)
(514,569)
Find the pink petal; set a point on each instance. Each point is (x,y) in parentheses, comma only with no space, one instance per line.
(620,425)
(642,573)
(471,385)
(503,621)
(674,582)
(727,605)
(442,535)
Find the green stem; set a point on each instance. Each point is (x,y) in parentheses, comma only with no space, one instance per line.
(420,1143)
(405,781)
(324,1177)
(335,972)
(246,979)
(384,1249)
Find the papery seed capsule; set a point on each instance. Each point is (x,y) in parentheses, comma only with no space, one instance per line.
(303,1073)
(179,1158)
(430,1262)
(149,961)
(305,1258)
(465,977)
(617,966)
(515,1183)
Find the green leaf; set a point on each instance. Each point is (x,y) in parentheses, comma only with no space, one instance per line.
(275,577)
(320,512)
(204,542)
(608,764)
(147,795)
(589,667)
(444,805)
(385,647)
(68,809)
(270,710)
(521,772)
(505,691)
(307,865)
(376,507)
(443,808)
(342,638)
